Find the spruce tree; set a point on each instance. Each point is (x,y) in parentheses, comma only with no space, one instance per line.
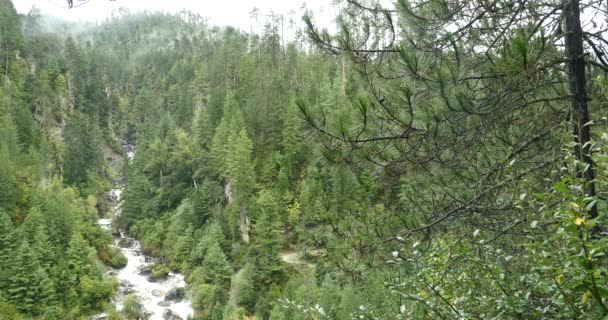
(242,177)
(28,287)
(268,267)
(8,183)
(83,156)
(216,269)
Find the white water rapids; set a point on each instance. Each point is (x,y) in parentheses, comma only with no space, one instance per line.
(134,280)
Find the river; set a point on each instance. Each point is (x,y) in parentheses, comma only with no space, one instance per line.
(162,299)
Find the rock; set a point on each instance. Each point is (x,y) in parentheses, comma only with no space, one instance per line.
(126,243)
(169,315)
(158,293)
(175,295)
(127,291)
(164,303)
(143,271)
(126,287)
(147,315)
(153,279)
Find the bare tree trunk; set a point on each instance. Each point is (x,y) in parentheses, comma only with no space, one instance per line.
(579,102)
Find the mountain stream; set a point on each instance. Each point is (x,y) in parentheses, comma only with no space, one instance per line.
(162,299)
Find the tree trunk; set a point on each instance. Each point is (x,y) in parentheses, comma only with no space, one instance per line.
(579,102)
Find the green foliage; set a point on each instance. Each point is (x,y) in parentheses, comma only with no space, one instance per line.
(132,308)
(288,184)
(159,271)
(83,158)
(113,257)
(215,268)
(9,311)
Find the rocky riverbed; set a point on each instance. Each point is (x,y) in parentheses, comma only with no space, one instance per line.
(162,298)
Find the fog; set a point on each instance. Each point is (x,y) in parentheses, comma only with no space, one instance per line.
(236,13)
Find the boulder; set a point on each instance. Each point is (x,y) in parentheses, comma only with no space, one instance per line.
(169,315)
(176,295)
(158,293)
(126,287)
(147,315)
(143,270)
(164,304)
(151,278)
(126,243)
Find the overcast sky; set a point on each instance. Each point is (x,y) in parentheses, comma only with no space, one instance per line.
(220,12)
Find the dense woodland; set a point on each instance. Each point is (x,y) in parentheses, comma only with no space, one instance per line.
(432,160)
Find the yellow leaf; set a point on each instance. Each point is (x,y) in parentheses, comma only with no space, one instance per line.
(559,279)
(586,296)
(580,221)
(424,293)
(574,205)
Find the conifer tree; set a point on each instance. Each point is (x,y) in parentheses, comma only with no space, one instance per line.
(83,155)
(26,286)
(268,267)
(216,269)
(242,177)
(76,259)
(212,234)
(226,134)
(8,183)
(7,246)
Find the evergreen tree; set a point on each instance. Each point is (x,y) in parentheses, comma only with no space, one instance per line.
(212,233)
(216,269)
(76,260)
(8,183)
(7,245)
(28,287)
(242,178)
(226,134)
(268,267)
(83,156)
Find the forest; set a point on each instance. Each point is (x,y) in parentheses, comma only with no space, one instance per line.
(426,160)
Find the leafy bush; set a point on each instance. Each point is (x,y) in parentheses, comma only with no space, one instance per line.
(132,308)
(159,270)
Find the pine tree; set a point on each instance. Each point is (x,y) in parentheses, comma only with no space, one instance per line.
(268,267)
(28,287)
(136,196)
(242,178)
(216,269)
(7,245)
(83,156)
(9,136)
(8,183)
(35,229)
(76,71)
(212,233)
(219,146)
(76,258)
(227,134)
(203,202)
